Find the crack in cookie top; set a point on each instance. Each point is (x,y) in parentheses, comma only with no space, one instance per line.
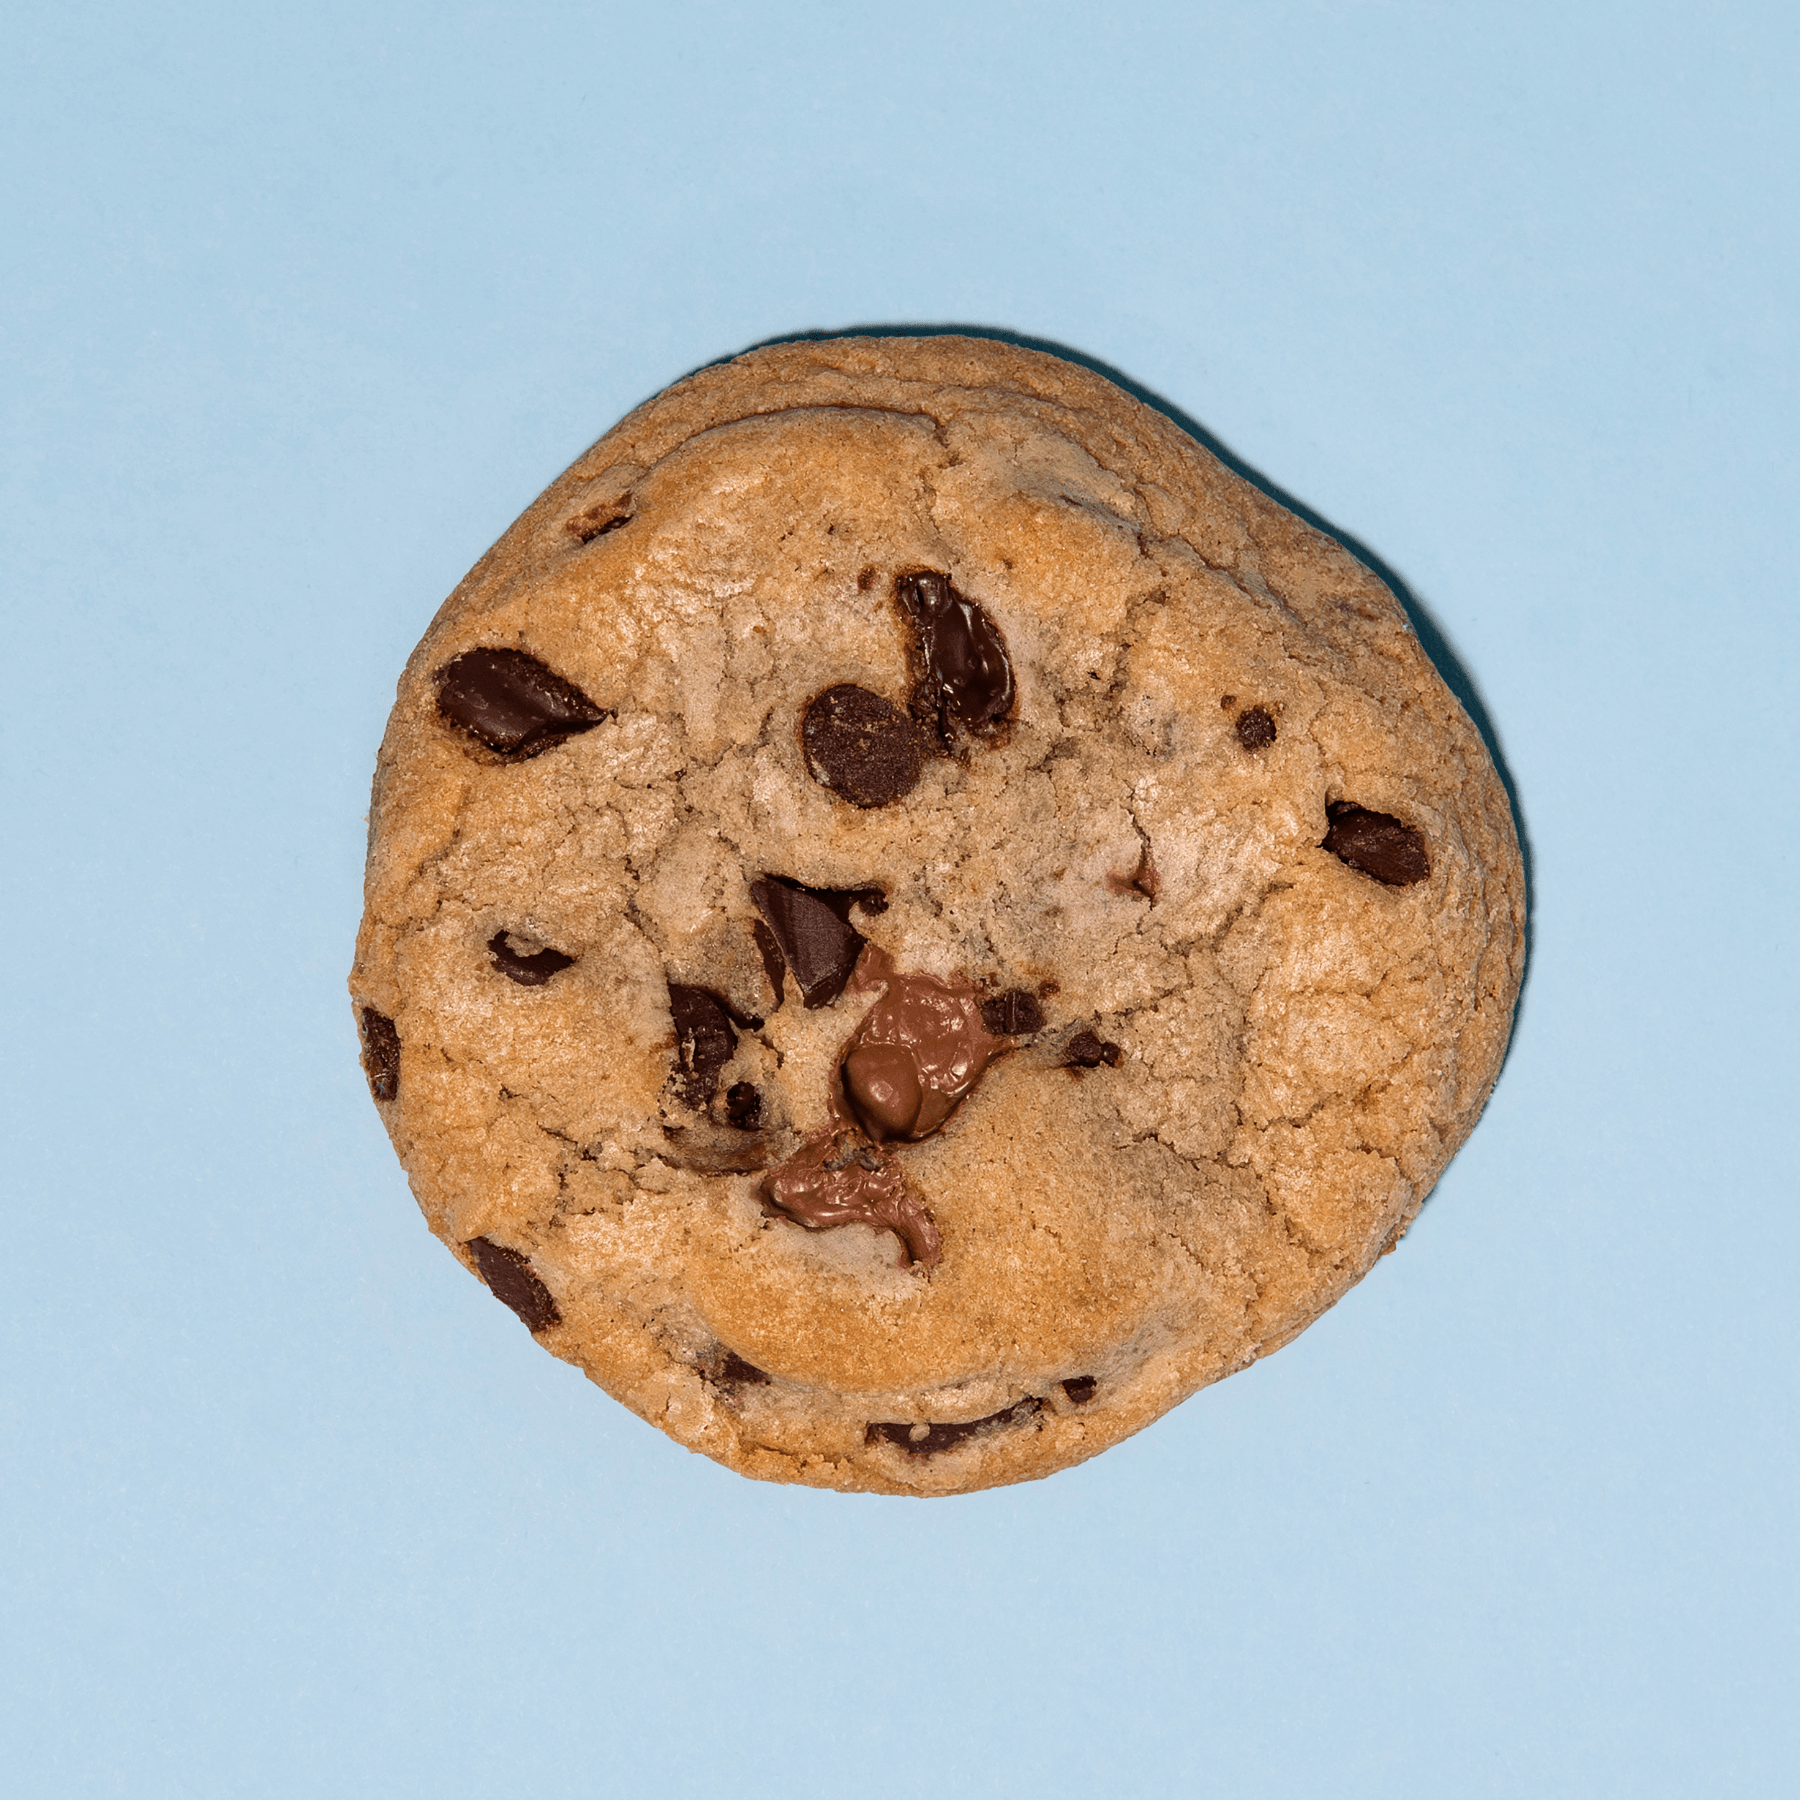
(914,919)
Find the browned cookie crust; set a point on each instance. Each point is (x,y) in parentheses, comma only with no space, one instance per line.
(914,919)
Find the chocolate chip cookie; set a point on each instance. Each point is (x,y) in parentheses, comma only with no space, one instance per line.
(914,919)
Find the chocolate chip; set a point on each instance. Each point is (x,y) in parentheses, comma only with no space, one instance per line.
(1376,844)
(381,1054)
(528,971)
(510,1277)
(1012,1014)
(512,703)
(1080,1388)
(862,747)
(743,1106)
(1255,729)
(704,1042)
(967,675)
(928,1440)
(811,927)
(739,1373)
(1086,1051)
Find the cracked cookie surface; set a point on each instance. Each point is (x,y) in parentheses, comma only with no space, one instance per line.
(914,919)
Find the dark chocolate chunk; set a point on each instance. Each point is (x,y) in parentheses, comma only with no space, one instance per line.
(381,1054)
(773,965)
(704,1042)
(528,971)
(739,1373)
(1086,1051)
(927,1440)
(967,674)
(744,1021)
(743,1105)
(862,747)
(1376,844)
(817,941)
(1012,1014)
(510,702)
(1080,1388)
(510,1277)
(1255,729)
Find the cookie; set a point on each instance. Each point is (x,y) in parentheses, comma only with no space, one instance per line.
(914,919)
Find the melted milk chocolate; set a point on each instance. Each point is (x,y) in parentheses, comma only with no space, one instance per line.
(837,1181)
(918,1054)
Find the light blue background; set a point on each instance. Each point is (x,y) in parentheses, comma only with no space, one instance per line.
(301,310)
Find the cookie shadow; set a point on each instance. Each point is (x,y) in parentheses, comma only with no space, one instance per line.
(1430,633)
